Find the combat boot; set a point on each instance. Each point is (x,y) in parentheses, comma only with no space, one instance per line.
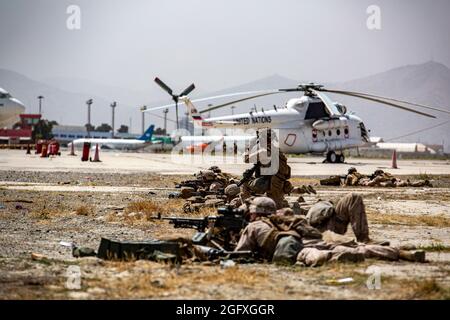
(413,256)
(310,189)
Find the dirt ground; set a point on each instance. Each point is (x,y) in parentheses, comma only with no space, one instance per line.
(38,210)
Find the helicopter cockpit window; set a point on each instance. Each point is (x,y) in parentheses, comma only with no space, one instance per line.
(333,109)
(316,110)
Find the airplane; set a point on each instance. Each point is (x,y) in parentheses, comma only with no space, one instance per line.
(312,123)
(161,143)
(194,144)
(121,144)
(10,108)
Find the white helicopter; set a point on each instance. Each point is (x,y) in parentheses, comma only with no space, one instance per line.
(308,124)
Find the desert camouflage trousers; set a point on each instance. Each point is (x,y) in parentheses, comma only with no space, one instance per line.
(318,252)
(350,210)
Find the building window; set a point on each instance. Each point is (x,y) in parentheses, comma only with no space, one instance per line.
(338,132)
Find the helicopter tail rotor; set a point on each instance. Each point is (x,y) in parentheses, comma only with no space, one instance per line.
(175,97)
(164,86)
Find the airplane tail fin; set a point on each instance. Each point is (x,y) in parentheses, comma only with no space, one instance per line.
(147,136)
(195,115)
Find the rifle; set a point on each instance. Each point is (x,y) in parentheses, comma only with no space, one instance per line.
(191,183)
(200,224)
(247,175)
(213,253)
(221,228)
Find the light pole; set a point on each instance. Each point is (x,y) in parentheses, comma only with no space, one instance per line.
(113,107)
(165,120)
(143,108)
(40,104)
(89,102)
(232,110)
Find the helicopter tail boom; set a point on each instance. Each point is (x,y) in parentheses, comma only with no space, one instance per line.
(194,114)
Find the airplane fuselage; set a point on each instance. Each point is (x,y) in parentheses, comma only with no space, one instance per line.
(10,109)
(115,144)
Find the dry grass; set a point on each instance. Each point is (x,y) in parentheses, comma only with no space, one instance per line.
(424,176)
(161,280)
(169,208)
(147,207)
(411,220)
(144,211)
(84,210)
(154,207)
(427,289)
(435,247)
(44,213)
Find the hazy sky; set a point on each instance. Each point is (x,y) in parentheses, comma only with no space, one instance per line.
(218,43)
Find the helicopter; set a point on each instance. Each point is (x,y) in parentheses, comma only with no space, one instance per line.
(311,123)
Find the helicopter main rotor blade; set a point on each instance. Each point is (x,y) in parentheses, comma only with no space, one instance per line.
(386,98)
(237,101)
(164,86)
(187,90)
(214,97)
(325,100)
(357,95)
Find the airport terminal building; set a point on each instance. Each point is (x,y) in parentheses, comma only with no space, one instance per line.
(66,134)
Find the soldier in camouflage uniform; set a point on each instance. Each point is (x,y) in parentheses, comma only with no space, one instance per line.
(273,186)
(353,177)
(290,239)
(349,210)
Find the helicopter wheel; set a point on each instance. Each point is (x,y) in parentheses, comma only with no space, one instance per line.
(332,157)
(341,158)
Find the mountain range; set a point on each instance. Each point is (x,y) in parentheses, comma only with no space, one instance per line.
(427,83)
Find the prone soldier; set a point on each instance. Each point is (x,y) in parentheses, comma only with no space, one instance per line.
(291,239)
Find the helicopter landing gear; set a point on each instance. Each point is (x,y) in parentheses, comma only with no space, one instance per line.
(332,157)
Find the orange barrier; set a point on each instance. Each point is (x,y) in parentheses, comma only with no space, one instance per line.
(72,150)
(96,155)
(86,148)
(394,159)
